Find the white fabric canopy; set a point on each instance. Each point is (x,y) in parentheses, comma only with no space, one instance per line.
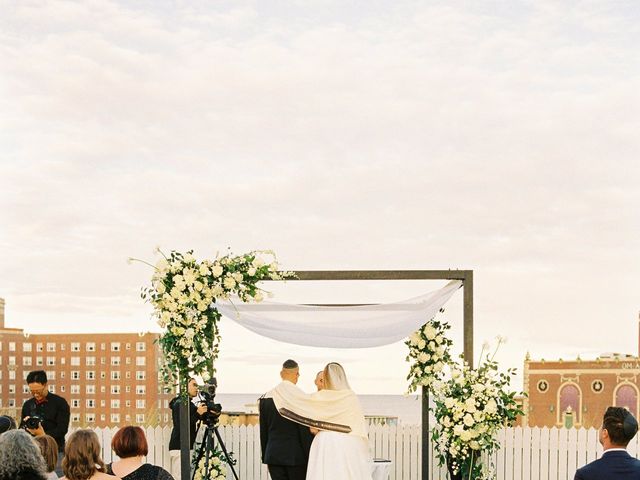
(339,327)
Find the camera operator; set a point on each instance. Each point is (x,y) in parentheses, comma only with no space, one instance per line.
(197,408)
(45,413)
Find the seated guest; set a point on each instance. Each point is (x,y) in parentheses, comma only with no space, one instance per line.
(49,448)
(82,459)
(20,457)
(618,428)
(7,423)
(130,445)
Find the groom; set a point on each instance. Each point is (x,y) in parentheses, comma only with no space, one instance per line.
(285,444)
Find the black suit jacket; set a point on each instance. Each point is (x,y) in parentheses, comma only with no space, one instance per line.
(55,412)
(174,441)
(616,465)
(282,441)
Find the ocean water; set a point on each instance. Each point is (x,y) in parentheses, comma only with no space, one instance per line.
(405,407)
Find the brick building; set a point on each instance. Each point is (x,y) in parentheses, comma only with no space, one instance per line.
(109,379)
(576,393)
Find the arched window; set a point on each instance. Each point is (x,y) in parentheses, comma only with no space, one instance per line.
(569,405)
(627,396)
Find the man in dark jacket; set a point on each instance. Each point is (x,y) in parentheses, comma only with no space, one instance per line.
(618,428)
(196,410)
(49,412)
(285,444)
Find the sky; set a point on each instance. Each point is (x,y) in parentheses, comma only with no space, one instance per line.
(500,137)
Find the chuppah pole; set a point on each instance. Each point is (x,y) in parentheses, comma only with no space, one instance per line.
(425,433)
(185,437)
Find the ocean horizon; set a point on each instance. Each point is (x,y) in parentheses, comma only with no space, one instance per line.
(407,408)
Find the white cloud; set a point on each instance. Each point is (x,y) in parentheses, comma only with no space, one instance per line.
(398,136)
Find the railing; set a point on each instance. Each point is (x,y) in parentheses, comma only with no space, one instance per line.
(526,453)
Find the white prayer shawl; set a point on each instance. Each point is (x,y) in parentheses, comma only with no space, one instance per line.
(325,410)
(338,327)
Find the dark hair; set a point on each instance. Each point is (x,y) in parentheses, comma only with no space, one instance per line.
(49,448)
(82,455)
(7,423)
(289,364)
(620,424)
(130,442)
(37,376)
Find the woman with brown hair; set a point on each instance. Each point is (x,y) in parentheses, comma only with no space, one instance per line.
(49,448)
(130,444)
(82,459)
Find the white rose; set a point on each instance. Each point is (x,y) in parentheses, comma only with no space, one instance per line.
(216,270)
(468,420)
(414,338)
(258,297)
(237,276)
(448,402)
(429,332)
(491,406)
(423,357)
(229,282)
(421,344)
(252,271)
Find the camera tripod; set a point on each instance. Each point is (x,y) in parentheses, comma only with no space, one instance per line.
(206,450)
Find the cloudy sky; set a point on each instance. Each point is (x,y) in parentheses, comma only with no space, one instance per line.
(495,136)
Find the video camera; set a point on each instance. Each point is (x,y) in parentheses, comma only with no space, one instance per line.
(208,393)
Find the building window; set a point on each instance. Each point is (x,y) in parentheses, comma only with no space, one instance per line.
(12,374)
(127,403)
(51,374)
(115,418)
(12,403)
(115,361)
(91,389)
(52,388)
(75,346)
(39,347)
(62,389)
(127,346)
(140,404)
(62,347)
(115,374)
(103,346)
(12,389)
(115,403)
(115,389)
(12,346)
(141,346)
(627,396)
(75,375)
(91,375)
(91,403)
(127,360)
(91,346)
(75,403)
(115,346)
(75,389)
(39,361)
(12,360)
(26,347)
(141,389)
(75,418)
(139,417)
(127,388)
(141,374)
(26,361)
(127,374)
(103,417)
(569,405)
(90,361)
(75,361)
(90,417)
(51,361)
(51,347)
(597,386)
(141,361)
(543,386)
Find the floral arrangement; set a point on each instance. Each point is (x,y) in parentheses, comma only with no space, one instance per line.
(470,407)
(428,354)
(183,293)
(211,467)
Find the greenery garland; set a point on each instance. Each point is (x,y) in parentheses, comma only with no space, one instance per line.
(183,294)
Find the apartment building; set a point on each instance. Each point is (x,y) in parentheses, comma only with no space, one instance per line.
(109,379)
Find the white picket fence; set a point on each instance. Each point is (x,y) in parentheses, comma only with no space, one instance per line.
(526,453)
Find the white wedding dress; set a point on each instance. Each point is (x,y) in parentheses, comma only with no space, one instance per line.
(339,456)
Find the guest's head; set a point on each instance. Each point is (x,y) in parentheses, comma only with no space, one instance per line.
(334,377)
(319,381)
(82,455)
(49,448)
(37,382)
(20,457)
(192,387)
(619,426)
(7,423)
(130,442)
(290,371)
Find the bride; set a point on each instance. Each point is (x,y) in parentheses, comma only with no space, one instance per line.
(340,449)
